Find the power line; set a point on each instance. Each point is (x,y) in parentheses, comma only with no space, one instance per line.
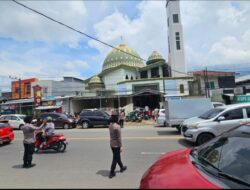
(82,33)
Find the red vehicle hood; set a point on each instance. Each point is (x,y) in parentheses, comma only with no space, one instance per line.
(175,170)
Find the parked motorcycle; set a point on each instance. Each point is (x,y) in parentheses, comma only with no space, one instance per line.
(56,142)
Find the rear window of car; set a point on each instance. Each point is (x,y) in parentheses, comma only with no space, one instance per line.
(2,125)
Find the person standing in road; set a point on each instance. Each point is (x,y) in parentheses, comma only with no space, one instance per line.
(122,117)
(116,145)
(29,141)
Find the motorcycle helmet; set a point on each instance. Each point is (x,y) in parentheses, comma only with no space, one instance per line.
(49,119)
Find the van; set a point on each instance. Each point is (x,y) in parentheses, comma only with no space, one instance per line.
(214,122)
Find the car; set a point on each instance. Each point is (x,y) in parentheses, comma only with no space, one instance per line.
(161,117)
(214,122)
(93,118)
(6,132)
(59,119)
(15,120)
(222,163)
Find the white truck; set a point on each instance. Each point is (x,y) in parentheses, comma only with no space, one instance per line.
(177,109)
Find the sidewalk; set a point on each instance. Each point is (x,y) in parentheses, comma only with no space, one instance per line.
(143,123)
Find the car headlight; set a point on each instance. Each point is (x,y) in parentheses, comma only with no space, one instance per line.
(193,126)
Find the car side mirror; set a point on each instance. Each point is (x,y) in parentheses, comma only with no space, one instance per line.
(221,118)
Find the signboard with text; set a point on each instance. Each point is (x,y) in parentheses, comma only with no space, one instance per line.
(37,95)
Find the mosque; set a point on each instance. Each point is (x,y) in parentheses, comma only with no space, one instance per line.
(127,82)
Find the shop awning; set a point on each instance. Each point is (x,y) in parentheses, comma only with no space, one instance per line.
(47,107)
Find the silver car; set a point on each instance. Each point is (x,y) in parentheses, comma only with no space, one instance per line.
(214,122)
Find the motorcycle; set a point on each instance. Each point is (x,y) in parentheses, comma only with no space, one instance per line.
(56,142)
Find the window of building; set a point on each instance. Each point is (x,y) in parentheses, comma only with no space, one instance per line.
(211,85)
(45,90)
(166,70)
(16,89)
(27,88)
(181,88)
(132,78)
(155,72)
(126,77)
(175,18)
(144,74)
(177,38)
(168,45)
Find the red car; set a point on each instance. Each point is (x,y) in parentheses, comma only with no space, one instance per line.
(223,162)
(6,132)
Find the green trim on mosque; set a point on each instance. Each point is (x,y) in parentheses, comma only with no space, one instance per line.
(160,78)
(118,67)
(117,57)
(150,66)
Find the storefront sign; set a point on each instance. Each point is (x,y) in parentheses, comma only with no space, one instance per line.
(37,95)
(240,99)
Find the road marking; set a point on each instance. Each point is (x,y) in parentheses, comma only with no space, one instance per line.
(175,137)
(152,153)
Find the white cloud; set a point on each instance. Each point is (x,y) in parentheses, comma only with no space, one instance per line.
(76,64)
(143,34)
(23,25)
(231,16)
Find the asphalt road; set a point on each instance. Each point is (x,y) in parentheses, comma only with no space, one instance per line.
(87,159)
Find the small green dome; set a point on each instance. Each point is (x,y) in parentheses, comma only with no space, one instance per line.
(95,79)
(154,57)
(118,57)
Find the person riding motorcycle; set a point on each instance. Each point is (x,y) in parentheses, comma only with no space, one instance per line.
(49,129)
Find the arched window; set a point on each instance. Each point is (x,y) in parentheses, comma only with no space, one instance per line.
(181,88)
(132,78)
(126,77)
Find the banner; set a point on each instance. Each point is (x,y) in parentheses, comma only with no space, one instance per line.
(37,95)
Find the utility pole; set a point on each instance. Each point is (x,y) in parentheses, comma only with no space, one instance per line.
(205,83)
(208,88)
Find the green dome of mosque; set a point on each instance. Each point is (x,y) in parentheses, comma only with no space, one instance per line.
(95,79)
(117,57)
(154,57)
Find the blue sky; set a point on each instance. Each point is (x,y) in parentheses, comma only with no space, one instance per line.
(216,35)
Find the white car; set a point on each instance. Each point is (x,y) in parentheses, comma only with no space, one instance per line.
(215,122)
(15,120)
(161,117)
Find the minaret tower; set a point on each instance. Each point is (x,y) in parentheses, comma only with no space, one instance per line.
(176,57)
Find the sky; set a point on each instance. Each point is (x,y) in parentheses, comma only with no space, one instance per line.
(216,36)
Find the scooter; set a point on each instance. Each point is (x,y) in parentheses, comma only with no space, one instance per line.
(56,142)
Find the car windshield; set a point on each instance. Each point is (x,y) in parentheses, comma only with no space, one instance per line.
(211,113)
(229,154)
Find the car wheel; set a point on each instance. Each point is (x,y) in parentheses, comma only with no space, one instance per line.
(203,138)
(20,126)
(66,126)
(85,125)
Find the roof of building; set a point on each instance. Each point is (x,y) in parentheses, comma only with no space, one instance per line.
(214,73)
(118,56)
(95,79)
(154,57)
